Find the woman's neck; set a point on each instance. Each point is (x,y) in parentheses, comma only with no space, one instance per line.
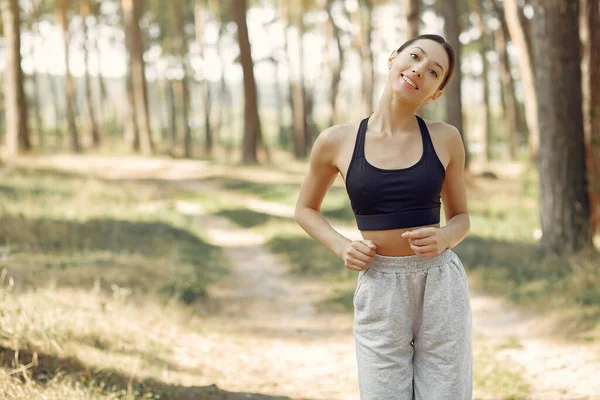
(393,115)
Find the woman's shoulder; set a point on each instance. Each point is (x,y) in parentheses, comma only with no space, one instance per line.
(440,128)
(336,135)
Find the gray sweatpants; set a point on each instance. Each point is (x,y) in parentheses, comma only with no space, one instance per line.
(412,329)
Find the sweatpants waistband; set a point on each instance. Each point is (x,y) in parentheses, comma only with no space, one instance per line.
(410,263)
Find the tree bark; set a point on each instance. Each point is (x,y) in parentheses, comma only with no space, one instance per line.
(17,135)
(336,71)
(61,18)
(35,95)
(413,18)
(182,49)
(252,132)
(519,38)
(363,18)
(92,127)
(484,46)
(200,21)
(564,203)
(453,90)
(172,111)
(509,103)
(131,135)
(590,38)
(132,10)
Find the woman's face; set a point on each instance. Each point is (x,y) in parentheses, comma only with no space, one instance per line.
(418,71)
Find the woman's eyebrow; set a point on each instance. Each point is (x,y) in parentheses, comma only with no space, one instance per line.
(435,62)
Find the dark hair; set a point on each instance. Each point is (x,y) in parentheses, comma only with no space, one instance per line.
(439,39)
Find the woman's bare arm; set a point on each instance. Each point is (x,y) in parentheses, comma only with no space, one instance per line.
(321,175)
(454,193)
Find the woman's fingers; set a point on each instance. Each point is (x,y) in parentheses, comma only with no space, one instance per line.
(362,255)
(355,265)
(358,255)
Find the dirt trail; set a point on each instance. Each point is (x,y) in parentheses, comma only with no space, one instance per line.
(266,327)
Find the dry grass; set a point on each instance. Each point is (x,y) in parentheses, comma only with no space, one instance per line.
(97,282)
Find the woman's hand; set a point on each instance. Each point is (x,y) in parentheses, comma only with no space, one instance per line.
(427,242)
(359,254)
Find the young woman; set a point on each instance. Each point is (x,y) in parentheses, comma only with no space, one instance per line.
(412,312)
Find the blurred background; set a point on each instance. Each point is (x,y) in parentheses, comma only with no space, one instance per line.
(152,153)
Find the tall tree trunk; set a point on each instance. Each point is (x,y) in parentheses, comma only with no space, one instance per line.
(297,92)
(58,133)
(61,18)
(336,72)
(35,97)
(454,96)
(131,135)
(224,116)
(363,18)
(518,36)
(17,135)
(102,97)
(564,203)
(173,112)
(132,10)
(413,18)
(252,132)
(200,22)
(185,90)
(484,46)
(509,103)
(590,35)
(84,9)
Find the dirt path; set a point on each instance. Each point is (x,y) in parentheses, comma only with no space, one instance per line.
(266,328)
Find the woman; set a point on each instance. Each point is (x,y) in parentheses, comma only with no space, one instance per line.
(412,313)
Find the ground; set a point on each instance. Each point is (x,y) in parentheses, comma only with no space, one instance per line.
(264,334)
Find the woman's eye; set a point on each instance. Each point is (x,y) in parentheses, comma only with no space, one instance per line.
(413,55)
(434,73)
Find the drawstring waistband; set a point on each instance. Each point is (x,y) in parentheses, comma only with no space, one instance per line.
(410,263)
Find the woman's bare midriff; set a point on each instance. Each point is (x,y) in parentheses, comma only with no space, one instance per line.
(390,242)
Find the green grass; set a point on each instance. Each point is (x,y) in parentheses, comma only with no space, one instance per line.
(79,231)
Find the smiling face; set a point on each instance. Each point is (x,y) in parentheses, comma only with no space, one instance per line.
(417,72)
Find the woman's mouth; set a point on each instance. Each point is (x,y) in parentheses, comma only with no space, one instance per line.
(409,82)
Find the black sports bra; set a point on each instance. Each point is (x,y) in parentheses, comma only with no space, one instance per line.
(385,199)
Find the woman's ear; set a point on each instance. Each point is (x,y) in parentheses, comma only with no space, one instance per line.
(435,96)
(391,59)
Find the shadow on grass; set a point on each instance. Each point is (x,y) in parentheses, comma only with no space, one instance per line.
(248,218)
(109,381)
(102,247)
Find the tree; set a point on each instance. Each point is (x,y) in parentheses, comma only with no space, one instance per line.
(17,136)
(519,38)
(413,18)
(62,21)
(336,71)
(252,130)
(484,45)
(508,100)
(362,41)
(84,9)
(200,7)
(182,52)
(564,205)
(453,90)
(590,37)
(132,11)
